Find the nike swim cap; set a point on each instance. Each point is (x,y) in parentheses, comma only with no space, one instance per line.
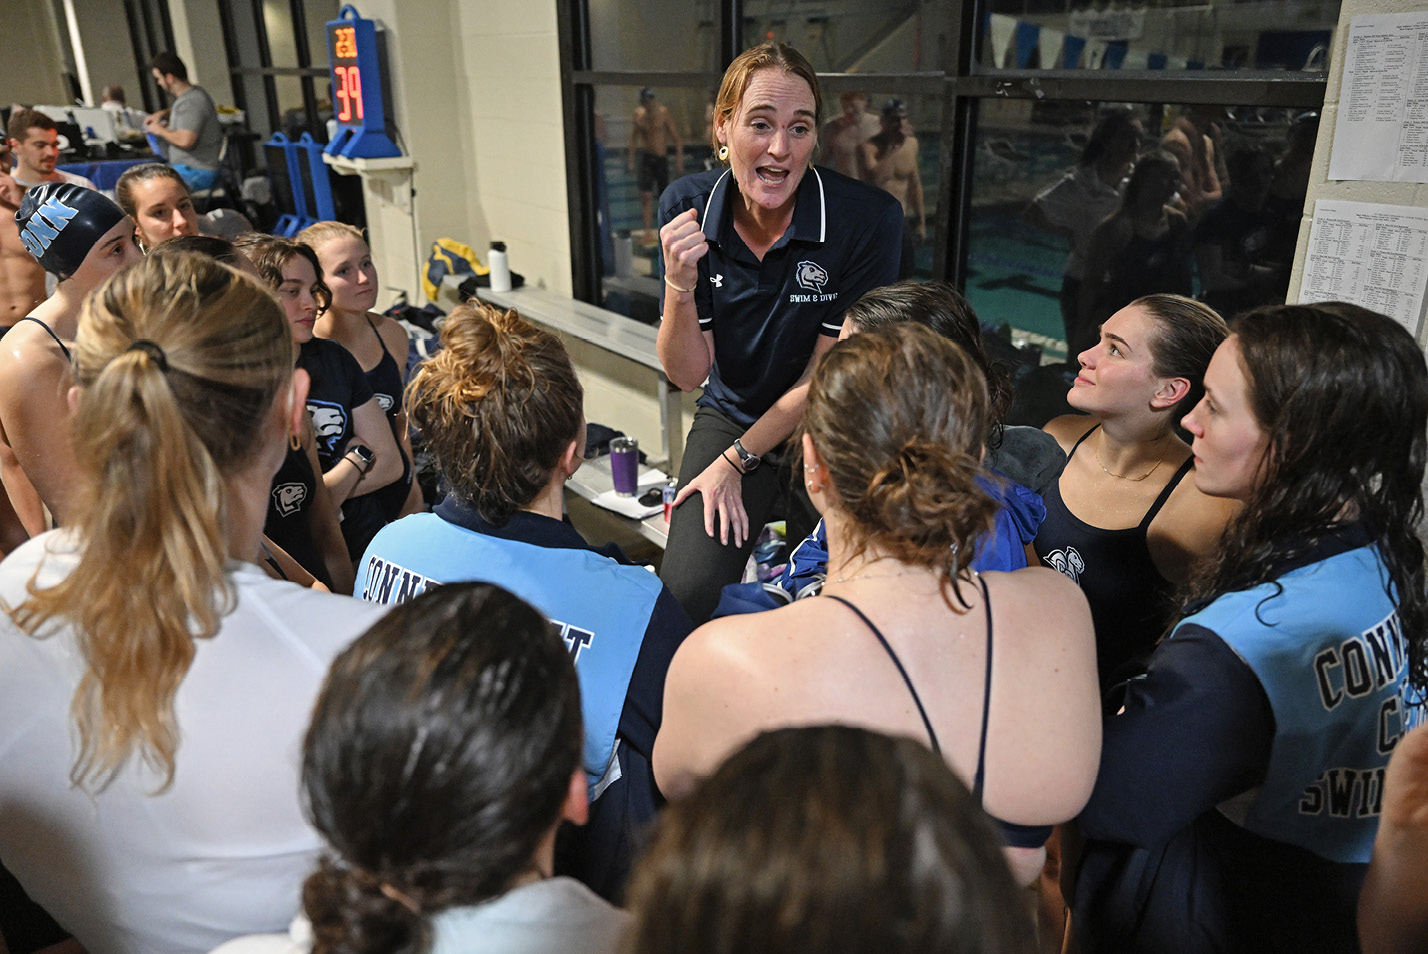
(59,223)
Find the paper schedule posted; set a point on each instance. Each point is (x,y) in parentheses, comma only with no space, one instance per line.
(1369,254)
(1382,128)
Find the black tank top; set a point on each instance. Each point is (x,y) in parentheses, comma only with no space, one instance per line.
(51,332)
(387,385)
(1130,600)
(289,520)
(978,778)
(1017,836)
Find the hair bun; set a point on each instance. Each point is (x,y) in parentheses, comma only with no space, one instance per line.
(349,911)
(928,497)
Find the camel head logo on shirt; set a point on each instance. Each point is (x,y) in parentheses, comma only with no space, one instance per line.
(288,498)
(1068,562)
(812,276)
(329,421)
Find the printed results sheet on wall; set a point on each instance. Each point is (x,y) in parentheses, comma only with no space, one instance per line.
(1369,254)
(1382,130)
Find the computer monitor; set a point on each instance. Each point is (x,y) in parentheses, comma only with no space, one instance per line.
(98,124)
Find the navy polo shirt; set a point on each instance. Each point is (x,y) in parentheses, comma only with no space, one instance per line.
(844,241)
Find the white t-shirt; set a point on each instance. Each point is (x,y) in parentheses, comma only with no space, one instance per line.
(60,176)
(224,850)
(556,914)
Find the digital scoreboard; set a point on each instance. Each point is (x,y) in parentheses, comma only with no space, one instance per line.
(357,103)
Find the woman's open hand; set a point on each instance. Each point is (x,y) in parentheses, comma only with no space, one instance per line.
(723,489)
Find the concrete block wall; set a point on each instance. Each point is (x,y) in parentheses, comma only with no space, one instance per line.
(32,70)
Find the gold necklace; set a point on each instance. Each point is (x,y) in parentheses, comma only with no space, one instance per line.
(1152,470)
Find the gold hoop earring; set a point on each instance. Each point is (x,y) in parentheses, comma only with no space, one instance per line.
(293,442)
(723,153)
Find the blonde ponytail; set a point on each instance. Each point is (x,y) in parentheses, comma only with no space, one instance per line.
(178,362)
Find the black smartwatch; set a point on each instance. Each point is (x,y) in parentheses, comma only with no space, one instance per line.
(364,457)
(749,461)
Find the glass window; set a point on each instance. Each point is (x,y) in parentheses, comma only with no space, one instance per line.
(641,146)
(1078,208)
(1166,35)
(278,25)
(295,120)
(650,35)
(856,37)
(317,14)
(890,138)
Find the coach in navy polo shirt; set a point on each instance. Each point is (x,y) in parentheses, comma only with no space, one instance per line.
(761,260)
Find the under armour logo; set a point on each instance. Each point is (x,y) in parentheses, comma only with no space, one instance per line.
(718,280)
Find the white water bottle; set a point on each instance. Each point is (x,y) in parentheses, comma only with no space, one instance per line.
(500,268)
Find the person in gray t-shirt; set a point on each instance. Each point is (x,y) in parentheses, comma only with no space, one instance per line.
(189,127)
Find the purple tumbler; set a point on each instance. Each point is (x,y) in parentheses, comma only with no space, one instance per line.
(625,465)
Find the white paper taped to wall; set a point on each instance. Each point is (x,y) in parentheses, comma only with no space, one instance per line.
(1382,129)
(1369,254)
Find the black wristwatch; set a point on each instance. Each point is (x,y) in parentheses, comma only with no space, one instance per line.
(364,457)
(749,461)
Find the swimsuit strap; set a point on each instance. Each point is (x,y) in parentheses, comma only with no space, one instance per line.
(927,723)
(1169,489)
(51,333)
(1081,441)
(986,697)
(379,339)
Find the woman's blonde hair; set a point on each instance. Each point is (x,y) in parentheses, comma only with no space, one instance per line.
(898,416)
(178,360)
(320,232)
(765,56)
(497,405)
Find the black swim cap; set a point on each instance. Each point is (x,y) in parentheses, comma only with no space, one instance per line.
(59,223)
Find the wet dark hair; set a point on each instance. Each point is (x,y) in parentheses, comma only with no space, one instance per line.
(440,753)
(209,246)
(939,306)
(1187,332)
(1112,125)
(827,840)
(1157,160)
(899,416)
(1341,393)
(497,405)
(1242,161)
